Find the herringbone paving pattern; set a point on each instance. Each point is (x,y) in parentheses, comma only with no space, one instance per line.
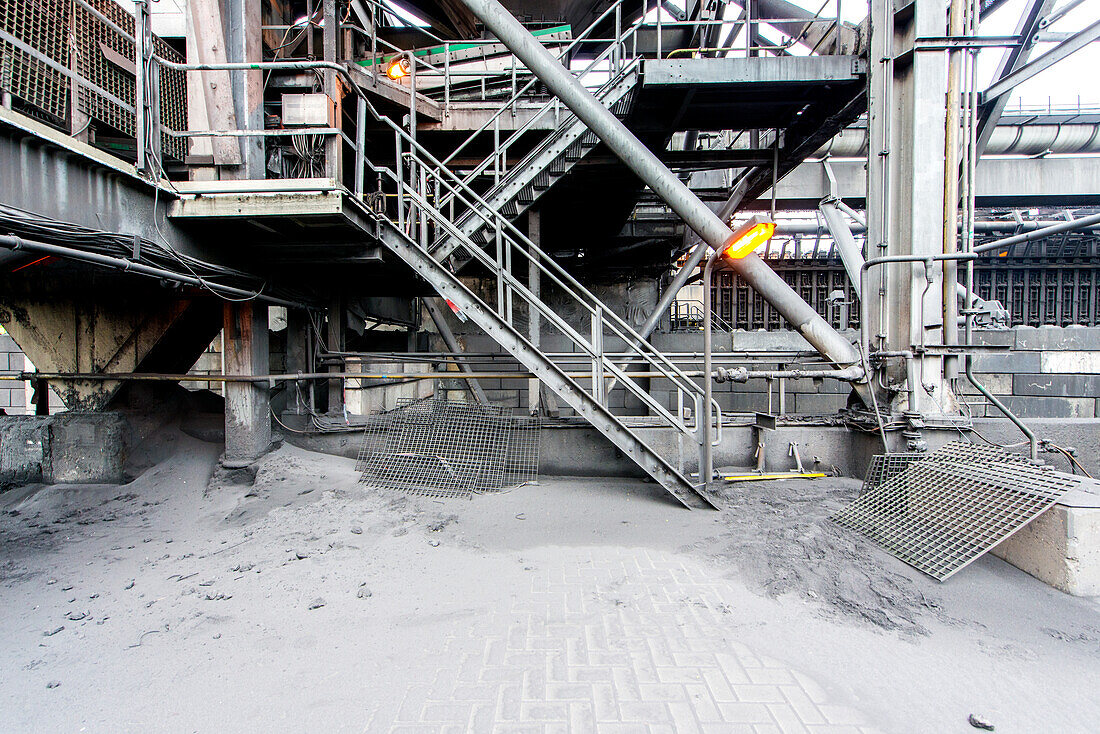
(614,640)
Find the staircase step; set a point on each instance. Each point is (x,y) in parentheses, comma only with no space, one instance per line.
(525,182)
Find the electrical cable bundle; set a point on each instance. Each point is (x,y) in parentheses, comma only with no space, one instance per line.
(33,226)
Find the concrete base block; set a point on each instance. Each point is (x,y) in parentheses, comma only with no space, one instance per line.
(70,448)
(24,449)
(1060,547)
(87,448)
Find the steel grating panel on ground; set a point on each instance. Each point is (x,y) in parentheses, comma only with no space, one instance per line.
(946,510)
(886,466)
(442,448)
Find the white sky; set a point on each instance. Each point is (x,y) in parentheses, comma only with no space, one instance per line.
(1065,82)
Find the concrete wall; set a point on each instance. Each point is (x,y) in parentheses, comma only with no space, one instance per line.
(1043,372)
(1048,372)
(372,395)
(801,396)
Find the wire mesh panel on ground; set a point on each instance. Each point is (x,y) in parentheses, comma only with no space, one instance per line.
(442,448)
(886,466)
(944,511)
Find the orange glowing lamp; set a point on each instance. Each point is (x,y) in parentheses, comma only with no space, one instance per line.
(398,68)
(748,237)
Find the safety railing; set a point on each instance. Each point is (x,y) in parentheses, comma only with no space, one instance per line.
(75,64)
(513,250)
(621,50)
(687,315)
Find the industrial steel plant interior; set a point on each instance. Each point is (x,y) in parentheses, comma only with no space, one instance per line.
(694,241)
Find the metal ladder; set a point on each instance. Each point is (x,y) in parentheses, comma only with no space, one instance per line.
(592,324)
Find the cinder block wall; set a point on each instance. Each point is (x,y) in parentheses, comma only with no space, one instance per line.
(13,396)
(1048,372)
(1043,372)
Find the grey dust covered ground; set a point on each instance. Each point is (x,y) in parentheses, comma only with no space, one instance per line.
(306,603)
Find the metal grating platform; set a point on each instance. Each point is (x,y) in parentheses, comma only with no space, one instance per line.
(441,448)
(944,511)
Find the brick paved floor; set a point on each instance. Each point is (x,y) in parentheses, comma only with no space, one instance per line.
(613,640)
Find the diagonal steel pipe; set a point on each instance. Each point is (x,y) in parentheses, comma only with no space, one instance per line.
(697,215)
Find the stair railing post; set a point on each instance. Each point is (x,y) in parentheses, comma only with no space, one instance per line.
(597,357)
(360,144)
(508,288)
(500,266)
(496,152)
(617,56)
(446,78)
(400,177)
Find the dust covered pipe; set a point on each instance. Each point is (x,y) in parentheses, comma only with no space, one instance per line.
(664,183)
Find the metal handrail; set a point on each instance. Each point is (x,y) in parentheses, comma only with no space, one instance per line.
(503,147)
(515,286)
(616,6)
(558,275)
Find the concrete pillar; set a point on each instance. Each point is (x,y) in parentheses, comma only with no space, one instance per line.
(244,42)
(247,405)
(334,341)
(297,356)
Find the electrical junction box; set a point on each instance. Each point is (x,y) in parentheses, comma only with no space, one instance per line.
(308,110)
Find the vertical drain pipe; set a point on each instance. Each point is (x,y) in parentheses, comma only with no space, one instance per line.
(664,183)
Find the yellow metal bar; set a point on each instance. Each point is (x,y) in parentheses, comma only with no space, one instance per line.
(778,475)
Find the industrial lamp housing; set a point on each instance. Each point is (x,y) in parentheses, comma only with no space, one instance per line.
(748,237)
(398,68)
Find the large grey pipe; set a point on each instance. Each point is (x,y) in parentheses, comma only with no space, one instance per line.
(664,183)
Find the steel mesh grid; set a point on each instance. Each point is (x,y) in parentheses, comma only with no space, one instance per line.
(441,448)
(939,515)
(964,451)
(41,26)
(886,466)
(91,36)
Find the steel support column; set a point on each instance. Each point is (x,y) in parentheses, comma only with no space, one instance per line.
(247,404)
(452,344)
(297,355)
(907,133)
(663,182)
(850,253)
(244,42)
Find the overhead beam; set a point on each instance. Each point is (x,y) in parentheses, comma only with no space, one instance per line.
(1066,48)
(990,112)
(755,70)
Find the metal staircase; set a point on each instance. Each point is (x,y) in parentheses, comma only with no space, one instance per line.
(433,219)
(417,189)
(516,189)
